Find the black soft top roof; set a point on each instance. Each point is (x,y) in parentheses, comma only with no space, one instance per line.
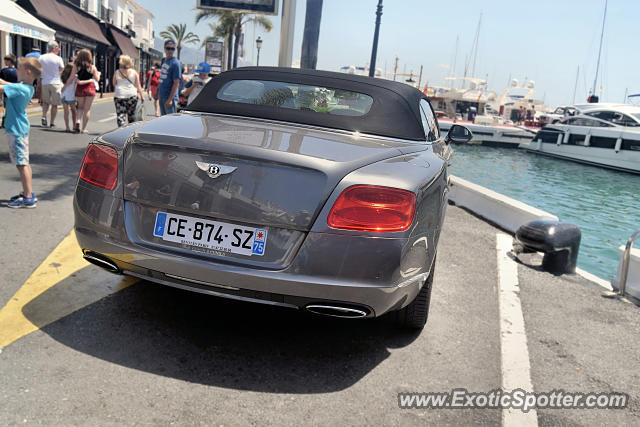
(395,111)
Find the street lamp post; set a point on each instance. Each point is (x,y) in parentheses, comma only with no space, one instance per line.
(258,45)
(374,50)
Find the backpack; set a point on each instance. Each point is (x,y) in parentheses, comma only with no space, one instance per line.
(155,78)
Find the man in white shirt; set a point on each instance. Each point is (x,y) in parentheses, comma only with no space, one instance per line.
(52,65)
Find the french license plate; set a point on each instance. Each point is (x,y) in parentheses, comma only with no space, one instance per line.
(214,235)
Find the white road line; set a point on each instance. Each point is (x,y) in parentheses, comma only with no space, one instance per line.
(106,119)
(516,371)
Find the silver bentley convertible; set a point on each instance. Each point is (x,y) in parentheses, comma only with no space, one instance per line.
(313,190)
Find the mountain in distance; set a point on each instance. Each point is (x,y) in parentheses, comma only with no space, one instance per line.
(193,54)
(190,54)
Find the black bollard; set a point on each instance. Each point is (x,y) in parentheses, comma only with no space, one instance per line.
(559,241)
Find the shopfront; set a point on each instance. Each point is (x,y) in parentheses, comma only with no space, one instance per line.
(21,32)
(75,30)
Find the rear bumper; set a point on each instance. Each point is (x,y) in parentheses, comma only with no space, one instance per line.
(327,268)
(282,288)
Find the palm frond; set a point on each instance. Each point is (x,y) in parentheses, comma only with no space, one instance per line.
(207,14)
(262,21)
(191,38)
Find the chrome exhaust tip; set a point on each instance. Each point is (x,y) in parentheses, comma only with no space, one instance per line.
(338,311)
(101,261)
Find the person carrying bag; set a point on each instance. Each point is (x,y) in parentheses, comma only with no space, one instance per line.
(127,84)
(138,115)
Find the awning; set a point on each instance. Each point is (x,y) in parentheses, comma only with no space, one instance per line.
(124,43)
(70,18)
(16,20)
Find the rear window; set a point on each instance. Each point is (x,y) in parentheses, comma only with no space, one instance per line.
(296,96)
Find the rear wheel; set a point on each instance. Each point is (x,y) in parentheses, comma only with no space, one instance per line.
(415,315)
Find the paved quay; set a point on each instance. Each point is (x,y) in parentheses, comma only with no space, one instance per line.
(81,346)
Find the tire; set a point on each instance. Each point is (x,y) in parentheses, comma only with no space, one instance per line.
(415,315)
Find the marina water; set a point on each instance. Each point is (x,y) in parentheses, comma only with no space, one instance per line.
(605,204)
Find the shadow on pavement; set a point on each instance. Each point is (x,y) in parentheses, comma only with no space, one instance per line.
(61,169)
(219,342)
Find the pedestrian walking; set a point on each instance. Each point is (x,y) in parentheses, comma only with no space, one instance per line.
(127,84)
(184,80)
(533,114)
(195,85)
(8,74)
(169,79)
(86,73)
(68,96)
(51,85)
(17,126)
(35,53)
(153,80)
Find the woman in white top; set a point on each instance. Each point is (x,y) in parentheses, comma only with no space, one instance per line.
(127,84)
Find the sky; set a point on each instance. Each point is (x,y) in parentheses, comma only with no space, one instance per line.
(547,41)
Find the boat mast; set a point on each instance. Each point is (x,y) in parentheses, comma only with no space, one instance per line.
(452,72)
(475,54)
(604,16)
(575,87)
(395,69)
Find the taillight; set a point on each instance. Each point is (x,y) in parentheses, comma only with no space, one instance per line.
(100,166)
(373,208)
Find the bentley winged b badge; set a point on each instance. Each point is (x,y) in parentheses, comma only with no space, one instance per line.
(214,170)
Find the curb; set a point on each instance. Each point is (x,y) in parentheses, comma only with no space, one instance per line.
(35,102)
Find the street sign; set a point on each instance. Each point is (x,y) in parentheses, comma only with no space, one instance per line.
(267,7)
(213,56)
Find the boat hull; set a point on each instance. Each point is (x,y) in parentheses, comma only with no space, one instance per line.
(493,136)
(568,146)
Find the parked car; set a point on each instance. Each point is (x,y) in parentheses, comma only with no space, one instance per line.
(313,190)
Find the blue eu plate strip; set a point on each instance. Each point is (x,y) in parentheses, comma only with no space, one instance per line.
(161,219)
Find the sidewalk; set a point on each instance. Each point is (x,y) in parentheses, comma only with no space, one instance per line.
(35,102)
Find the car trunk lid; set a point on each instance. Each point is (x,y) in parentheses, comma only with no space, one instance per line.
(256,177)
(243,170)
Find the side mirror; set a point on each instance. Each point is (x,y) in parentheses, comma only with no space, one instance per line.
(458,134)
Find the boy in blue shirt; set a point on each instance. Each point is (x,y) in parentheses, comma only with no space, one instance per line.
(17,97)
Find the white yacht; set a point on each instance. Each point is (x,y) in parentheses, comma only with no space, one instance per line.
(513,98)
(486,114)
(605,135)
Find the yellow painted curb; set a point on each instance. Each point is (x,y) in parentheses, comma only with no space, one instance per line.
(47,302)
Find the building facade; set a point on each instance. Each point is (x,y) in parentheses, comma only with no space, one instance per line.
(20,31)
(144,35)
(105,27)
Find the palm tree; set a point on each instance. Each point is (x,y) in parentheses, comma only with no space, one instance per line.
(217,35)
(230,28)
(178,33)
(224,28)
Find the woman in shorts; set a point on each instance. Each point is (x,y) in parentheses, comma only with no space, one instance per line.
(86,73)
